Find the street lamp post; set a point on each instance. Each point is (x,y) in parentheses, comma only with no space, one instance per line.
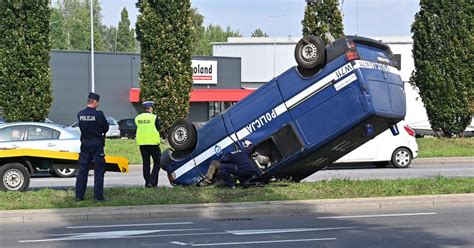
(92,47)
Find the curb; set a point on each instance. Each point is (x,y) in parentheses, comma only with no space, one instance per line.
(443,160)
(226,210)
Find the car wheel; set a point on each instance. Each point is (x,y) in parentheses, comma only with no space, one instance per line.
(15,177)
(310,52)
(64,172)
(381,164)
(401,158)
(182,135)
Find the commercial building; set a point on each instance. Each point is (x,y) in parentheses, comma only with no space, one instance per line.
(216,84)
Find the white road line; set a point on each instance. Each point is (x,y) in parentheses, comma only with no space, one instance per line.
(107,235)
(288,230)
(131,225)
(265,242)
(375,215)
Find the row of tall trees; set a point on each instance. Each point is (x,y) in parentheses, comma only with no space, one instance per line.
(70,28)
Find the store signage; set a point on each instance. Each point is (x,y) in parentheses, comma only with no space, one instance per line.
(204,71)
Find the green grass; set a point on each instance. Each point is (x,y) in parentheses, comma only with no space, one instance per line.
(49,198)
(127,148)
(428,147)
(442,147)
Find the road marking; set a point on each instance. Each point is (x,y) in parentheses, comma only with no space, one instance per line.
(265,242)
(288,230)
(131,225)
(375,215)
(105,235)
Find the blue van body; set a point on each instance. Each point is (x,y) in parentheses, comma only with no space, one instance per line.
(305,123)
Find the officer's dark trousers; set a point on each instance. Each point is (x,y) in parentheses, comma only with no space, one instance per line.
(92,151)
(155,152)
(228,172)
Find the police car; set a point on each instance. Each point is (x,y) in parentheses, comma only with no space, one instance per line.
(338,97)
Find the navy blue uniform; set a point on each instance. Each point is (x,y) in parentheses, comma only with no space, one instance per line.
(239,164)
(93,126)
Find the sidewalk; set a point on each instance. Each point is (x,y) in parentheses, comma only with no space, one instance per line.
(226,210)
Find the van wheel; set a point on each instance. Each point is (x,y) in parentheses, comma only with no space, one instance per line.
(310,52)
(15,177)
(182,135)
(64,172)
(401,158)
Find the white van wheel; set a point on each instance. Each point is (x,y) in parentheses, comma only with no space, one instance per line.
(15,177)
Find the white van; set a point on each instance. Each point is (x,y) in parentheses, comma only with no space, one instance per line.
(387,148)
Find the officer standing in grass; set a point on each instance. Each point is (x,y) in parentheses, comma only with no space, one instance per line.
(93,126)
(148,139)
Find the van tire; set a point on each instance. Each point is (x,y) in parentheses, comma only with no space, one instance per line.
(401,158)
(310,53)
(182,135)
(14,177)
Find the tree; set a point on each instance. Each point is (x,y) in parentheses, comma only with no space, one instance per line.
(125,36)
(442,52)
(258,33)
(70,24)
(214,33)
(197,31)
(164,32)
(321,17)
(25,76)
(110,38)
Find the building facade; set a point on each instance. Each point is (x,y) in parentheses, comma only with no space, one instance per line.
(216,84)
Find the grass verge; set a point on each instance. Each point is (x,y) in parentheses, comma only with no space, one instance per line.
(442,147)
(127,148)
(277,191)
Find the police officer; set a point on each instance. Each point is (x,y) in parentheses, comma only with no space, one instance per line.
(238,164)
(148,139)
(93,126)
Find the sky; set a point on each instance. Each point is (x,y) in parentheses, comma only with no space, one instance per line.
(282,18)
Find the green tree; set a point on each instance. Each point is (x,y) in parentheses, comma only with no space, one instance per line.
(25,76)
(70,22)
(164,31)
(322,16)
(197,31)
(258,33)
(110,38)
(125,36)
(214,33)
(443,54)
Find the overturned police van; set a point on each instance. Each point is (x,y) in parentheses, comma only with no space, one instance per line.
(338,97)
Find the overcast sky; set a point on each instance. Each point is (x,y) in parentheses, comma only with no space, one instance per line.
(282,18)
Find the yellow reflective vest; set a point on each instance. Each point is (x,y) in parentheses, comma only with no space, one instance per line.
(146,130)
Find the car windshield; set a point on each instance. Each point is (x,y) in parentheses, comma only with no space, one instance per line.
(111,121)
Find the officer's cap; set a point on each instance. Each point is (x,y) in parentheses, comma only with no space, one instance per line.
(148,104)
(94,96)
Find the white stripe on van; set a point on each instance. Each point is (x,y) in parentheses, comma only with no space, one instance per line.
(282,108)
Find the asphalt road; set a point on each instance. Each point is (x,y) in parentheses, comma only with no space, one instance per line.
(341,171)
(398,228)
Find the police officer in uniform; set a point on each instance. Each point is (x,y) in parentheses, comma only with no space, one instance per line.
(148,139)
(93,126)
(238,164)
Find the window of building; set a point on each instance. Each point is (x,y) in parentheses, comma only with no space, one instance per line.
(216,108)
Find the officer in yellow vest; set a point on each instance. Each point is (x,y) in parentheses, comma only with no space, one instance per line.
(148,139)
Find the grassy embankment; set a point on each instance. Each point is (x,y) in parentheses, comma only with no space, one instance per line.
(48,198)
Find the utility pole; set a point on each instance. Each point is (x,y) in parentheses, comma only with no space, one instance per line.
(92,47)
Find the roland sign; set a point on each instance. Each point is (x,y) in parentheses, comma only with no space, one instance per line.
(204,71)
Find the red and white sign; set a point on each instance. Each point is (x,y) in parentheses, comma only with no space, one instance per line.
(204,71)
